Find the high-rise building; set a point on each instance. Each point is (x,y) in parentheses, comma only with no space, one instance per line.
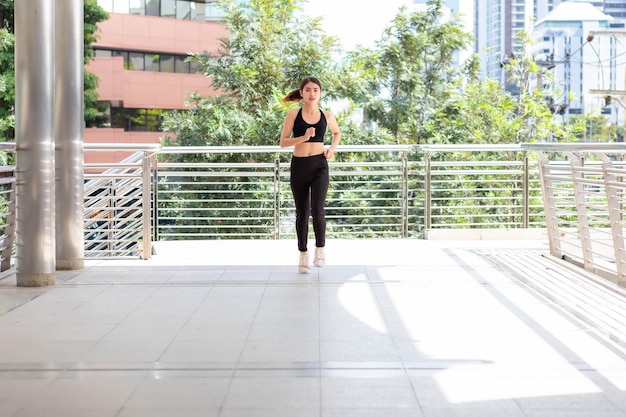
(496,27)
(581,61)
(560,29)
(614,8)
(140,62)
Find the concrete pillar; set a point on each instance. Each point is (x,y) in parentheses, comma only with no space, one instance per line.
(34,131)
(68,134)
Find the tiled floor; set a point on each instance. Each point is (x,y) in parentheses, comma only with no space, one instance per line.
(390,328)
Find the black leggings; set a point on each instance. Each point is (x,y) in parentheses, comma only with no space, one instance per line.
(309,185)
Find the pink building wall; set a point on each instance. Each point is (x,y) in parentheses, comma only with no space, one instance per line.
(146,89)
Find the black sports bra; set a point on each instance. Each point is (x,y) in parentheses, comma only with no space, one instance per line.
(300,127)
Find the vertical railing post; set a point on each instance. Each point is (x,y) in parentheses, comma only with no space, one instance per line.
(147,209)
(9,231)
(427,193)
(615,218)
(584,233)
(526,193)
(277,186)
(549,205)
(405,195)
(155,200)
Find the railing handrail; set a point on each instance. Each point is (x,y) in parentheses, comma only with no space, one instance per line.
(108,147)
(619,147)
(7,146)
(470,147)
(278,149)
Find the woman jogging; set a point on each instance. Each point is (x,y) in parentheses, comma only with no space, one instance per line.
(304,129)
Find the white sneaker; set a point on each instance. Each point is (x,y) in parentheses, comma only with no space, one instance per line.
(320,257)
(303,264)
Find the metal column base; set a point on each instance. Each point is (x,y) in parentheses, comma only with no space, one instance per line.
(35,280)
(70,264)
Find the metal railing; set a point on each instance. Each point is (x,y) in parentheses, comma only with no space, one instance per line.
(7,216)
(376,191)
(584,192)
(118,203)
(7,210)
(243,193)
(576,192)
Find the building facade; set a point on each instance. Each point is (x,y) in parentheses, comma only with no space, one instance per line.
(497,24)
(560,29)
(582,48)
(140,62)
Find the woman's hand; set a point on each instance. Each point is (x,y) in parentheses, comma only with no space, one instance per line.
(310,132)
(329,153)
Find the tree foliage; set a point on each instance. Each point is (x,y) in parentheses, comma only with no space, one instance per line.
(268,51)
(93,14)
(411,72)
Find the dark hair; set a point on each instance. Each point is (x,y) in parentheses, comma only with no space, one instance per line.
(294,95)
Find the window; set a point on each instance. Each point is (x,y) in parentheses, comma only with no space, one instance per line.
(179,9)
(135,61)
(138,7)
(167,63)
(151,62)
(183,10)
(168,8)
(193,68)
(182,66)
(152,8)
(103,119)
(198,11)
(137,120)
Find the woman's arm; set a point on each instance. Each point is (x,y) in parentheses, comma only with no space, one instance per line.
(286,140)
(334,127)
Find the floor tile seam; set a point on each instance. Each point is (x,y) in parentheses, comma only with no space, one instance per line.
(245,342)
(184,325)
(320,373)
(232,283)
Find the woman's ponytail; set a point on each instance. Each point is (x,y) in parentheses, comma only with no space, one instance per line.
(293,95)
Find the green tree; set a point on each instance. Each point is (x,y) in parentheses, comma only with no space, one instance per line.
(268,51)
(7,78)
(93,14)
(410,74)
(535,114)
(596,128)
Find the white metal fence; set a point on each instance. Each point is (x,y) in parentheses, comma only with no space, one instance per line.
(382,191)
(576,191)
(584,195)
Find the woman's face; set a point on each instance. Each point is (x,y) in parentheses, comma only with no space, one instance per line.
(311,93)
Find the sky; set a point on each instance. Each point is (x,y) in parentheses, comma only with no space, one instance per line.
(354,22)
(361,22)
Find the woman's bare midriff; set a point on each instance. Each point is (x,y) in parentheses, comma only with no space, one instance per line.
(308,149)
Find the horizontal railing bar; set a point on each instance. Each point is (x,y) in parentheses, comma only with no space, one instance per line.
(278,149)
(605,147)
(113,147)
